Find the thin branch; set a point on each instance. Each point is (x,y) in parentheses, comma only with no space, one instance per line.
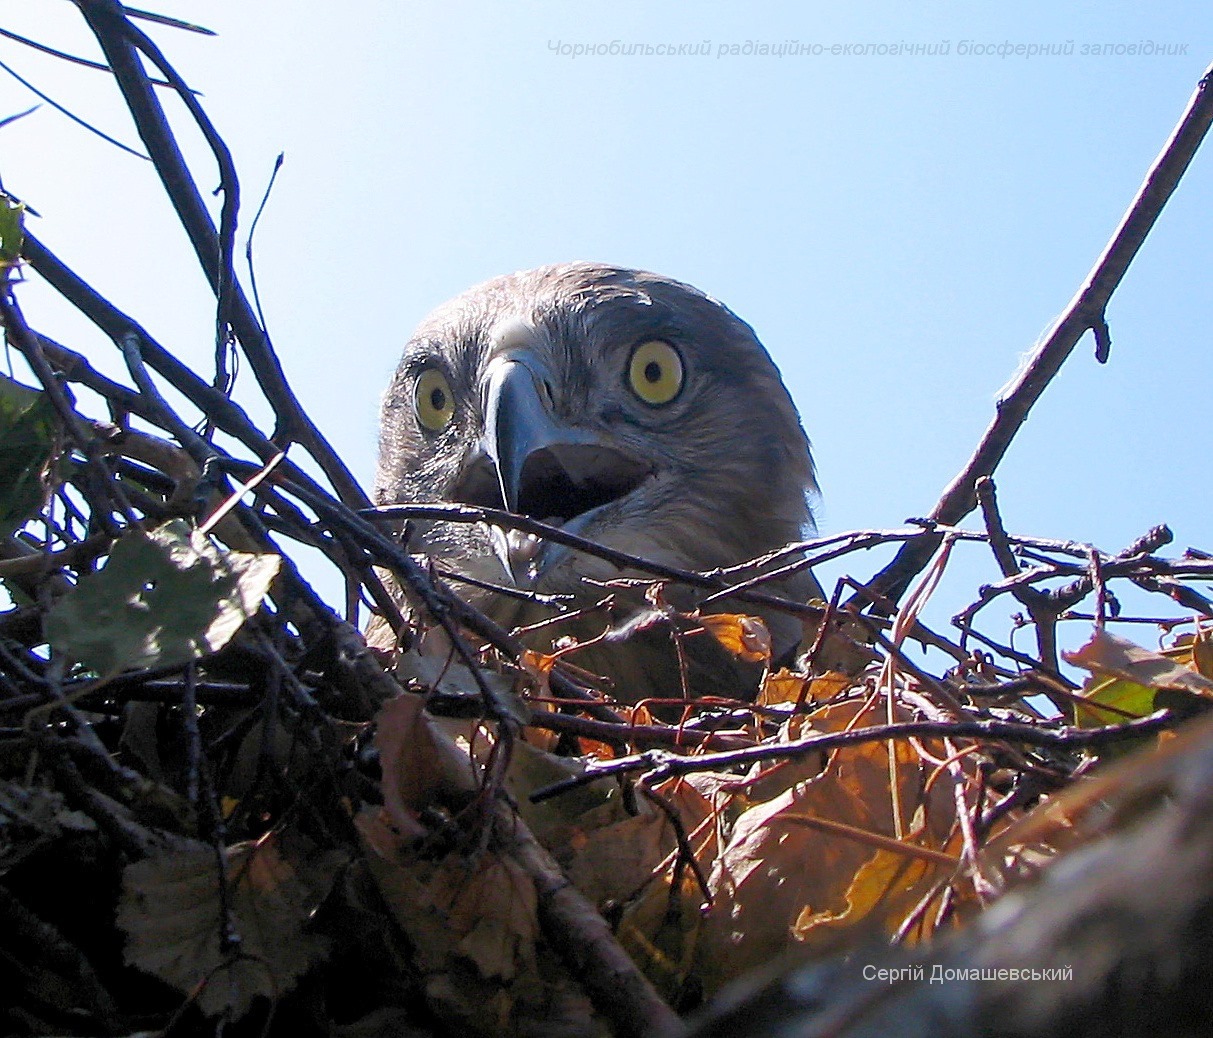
(119,40)
(71,115)
(461,513)
(661,765)
(99,66)
(1086,311)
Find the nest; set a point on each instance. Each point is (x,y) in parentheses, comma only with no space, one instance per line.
(219,810)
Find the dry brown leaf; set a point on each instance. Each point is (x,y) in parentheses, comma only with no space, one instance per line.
(538,667)
(746,637)
(610,854)
(775,871)
(473,925)
(421,763)
(785,686)
(692,806)
(768,780)
(1117,657)
(886,889)
(412,890)
(611,863)
(495,909)
(171,912)
(660,929)
(555,821)
(1202,652)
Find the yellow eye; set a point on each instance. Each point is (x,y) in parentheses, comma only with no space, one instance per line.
(655,372)
(433,399)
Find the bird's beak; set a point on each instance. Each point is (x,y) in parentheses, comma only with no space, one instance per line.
(518,421)
(547,466)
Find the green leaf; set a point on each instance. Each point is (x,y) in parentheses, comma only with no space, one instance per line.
(163,598)
(1123,696)
(12,231)
(27,444)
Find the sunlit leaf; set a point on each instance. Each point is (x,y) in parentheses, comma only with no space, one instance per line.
(1133,675)
(746,637)
(12,231)
(777,871)
(1202,652)
(886,887)
(163,598)
(783,686)
(1124,699)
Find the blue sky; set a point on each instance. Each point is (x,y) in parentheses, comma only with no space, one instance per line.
(899,230)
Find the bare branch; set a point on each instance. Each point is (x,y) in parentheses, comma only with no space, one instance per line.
(1086,311)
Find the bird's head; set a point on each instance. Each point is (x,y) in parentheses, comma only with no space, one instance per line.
(632,409)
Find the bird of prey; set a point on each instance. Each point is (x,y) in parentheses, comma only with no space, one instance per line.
(628,408)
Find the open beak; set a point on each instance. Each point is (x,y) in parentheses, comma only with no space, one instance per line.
(536,462)
(546,466)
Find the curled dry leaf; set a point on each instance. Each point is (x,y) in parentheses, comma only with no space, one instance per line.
(471,919)
(783,686)
(1202,652)
(746,637)
(421,763)
(1126,678)
(172,913)
(1113,656)
(778,879)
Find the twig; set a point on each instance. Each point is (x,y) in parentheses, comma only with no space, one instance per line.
(660,765)
(445,608)
(71,115)
(1038,605)
(119,40)
(1085,311)
(71,58)
(100,480)
(460,513)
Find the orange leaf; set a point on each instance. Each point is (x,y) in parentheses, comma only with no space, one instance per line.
(781,687)
(746,637)
(777,872)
